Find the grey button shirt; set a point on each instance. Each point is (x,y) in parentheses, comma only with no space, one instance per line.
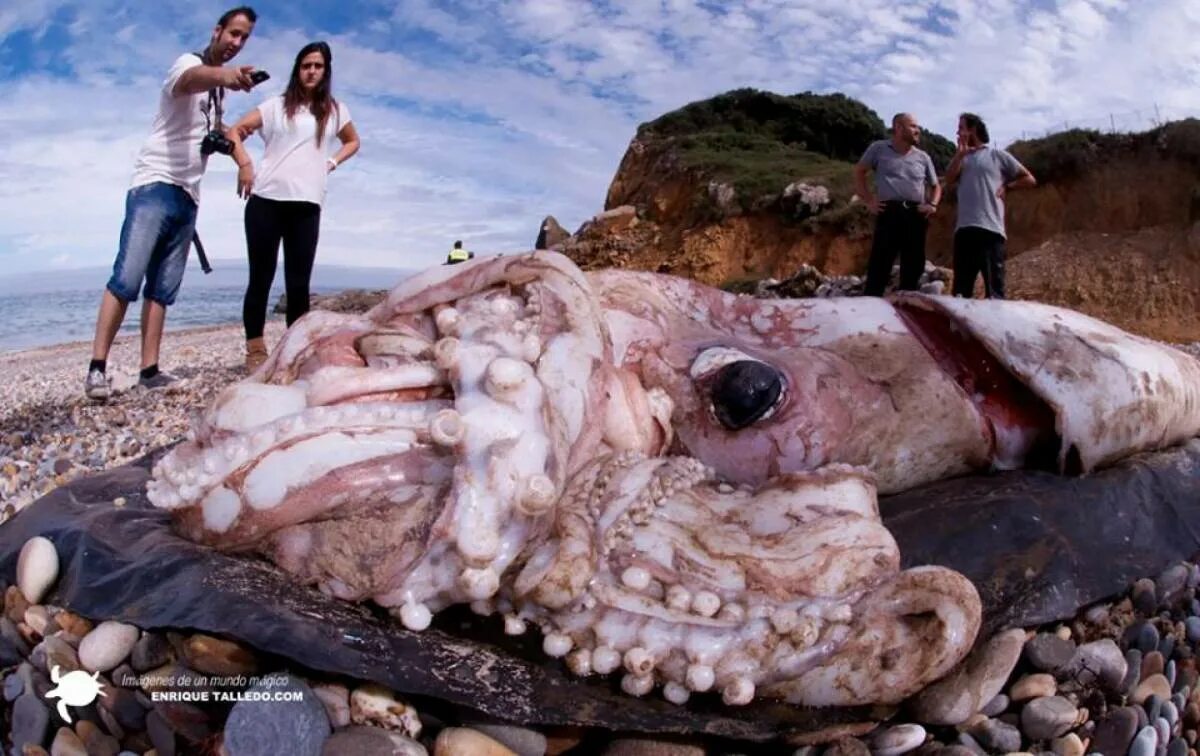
(899,177)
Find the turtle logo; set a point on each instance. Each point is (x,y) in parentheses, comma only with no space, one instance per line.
(74,689)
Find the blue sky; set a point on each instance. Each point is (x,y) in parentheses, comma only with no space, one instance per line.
(480,117)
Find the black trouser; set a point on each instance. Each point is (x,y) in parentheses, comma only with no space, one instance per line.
(898,228)
(978,250)
(268,221)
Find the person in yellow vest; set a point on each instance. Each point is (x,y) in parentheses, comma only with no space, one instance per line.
(458,254)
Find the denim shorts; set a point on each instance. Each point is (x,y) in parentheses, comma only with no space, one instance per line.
(155,237)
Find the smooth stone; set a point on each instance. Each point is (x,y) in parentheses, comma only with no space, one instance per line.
(336,700)
(55,652)
(969,743)
(1155,685)
(1164,733)
(461,741)
(1145,597)
(151,651)
(1172,583)
(1028,687)
(843,747)
(1068,745)
(298,727)
(107,646)
(1153,663)
(10,653)
(1143,718)
(1166,646)
(38,618)
(73,623)
(162,737)
(1153,707)
(1170,673)
(37,568)
(95,741)
(1191,716)
(997,736)
(996,706)
(1049,717)
(956,750)
(30,721)
(1185,680)
(526,742)
(122,703)
(375,704)
(14,686)
(1133,675)
(1047,652)
(214,656)
(1170,713)
(1147,638)
(15,604)
(361,740)
(1192,628)
(897,740)
(1100,661)
(10,633)
(1097,615)
(110,723)
(1178,747)
(124,676)
(67,743)
(975,682)
(1145,743)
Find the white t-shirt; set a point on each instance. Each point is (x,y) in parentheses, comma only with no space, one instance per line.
(171,153)
(293,167)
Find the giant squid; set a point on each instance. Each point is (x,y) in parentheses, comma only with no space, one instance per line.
(670,482)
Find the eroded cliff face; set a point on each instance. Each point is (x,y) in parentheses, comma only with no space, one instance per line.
(1095,236)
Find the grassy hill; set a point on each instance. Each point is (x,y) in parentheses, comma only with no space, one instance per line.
(759,142)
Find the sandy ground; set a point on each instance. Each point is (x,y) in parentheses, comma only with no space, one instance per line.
(50,432)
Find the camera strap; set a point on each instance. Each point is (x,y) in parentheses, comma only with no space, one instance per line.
(204,266)
(215,99)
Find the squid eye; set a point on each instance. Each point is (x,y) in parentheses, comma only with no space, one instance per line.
(745,391)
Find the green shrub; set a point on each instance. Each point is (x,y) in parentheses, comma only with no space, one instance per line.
(759,142)
(832,125)
(1068,154)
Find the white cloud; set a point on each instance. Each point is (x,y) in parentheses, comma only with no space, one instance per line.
(478,117)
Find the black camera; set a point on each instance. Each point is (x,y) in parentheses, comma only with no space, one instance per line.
(215,141)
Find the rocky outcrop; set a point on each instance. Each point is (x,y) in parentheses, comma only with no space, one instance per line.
(551,235)
(1108,230)
(350,300)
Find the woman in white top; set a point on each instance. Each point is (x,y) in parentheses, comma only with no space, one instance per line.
(284,198)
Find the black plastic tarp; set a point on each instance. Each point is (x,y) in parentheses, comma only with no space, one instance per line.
(1037,546)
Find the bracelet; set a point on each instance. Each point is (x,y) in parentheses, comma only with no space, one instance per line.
(332,161)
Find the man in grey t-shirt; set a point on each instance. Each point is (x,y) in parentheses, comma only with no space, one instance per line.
(984,175)
(906,194)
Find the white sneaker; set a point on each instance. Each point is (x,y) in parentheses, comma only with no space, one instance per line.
(96,386)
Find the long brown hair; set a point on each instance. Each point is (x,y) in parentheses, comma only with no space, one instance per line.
(322,103)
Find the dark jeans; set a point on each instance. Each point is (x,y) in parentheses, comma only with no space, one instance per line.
(897,229)
(978,251)
(268,222)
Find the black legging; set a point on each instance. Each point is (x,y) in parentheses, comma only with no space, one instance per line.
(268,221)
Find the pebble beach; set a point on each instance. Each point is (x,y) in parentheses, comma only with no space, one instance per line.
(50,433)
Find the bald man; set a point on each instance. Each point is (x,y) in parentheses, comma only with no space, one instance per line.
(906,194)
